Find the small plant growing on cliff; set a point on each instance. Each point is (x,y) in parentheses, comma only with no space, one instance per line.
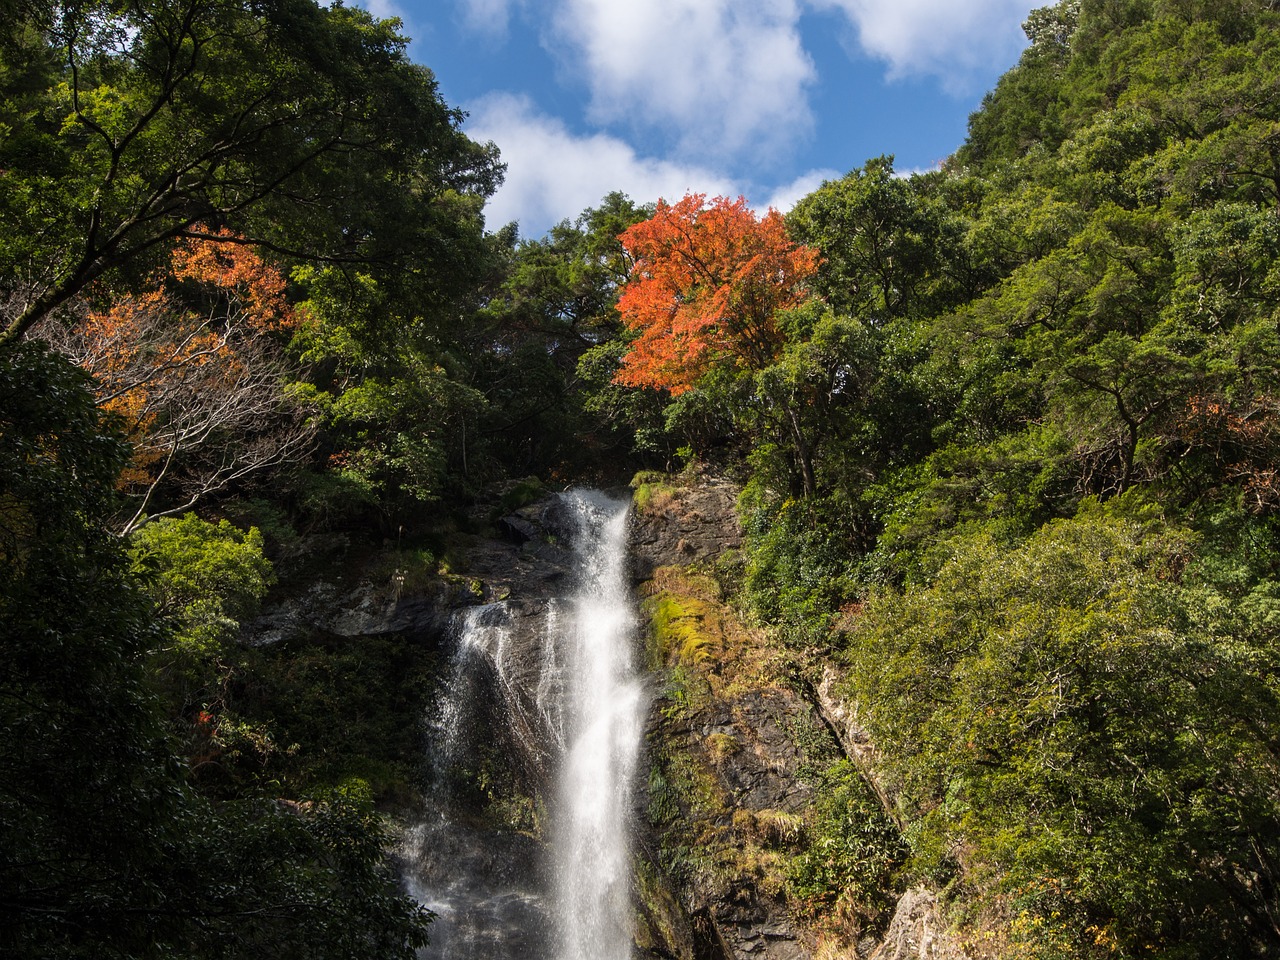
(722,745)
(406,570)
(852,853)
(652,498)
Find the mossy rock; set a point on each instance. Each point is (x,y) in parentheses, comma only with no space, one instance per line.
(653,498)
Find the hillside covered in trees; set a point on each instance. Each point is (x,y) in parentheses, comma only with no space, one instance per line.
(1008,434)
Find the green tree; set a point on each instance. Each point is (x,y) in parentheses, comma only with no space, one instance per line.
(401,425)
(303,128)
(204,578)
(87,784)
(884,245)
(1062,718)
(549,346)
(1075,703)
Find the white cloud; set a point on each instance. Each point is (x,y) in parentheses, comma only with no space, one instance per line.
(950,39)
(719,75)
(788,195)
(383,9)
(906,173)
(553,173)
(487,16)
(391,9)
(725,82)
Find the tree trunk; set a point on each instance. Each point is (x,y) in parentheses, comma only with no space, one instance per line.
(804,456)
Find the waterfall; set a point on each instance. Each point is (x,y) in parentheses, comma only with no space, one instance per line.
(569,703)
(605,725)
(486,888)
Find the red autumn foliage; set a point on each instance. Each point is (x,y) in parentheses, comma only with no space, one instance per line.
(706,284)
(146,342)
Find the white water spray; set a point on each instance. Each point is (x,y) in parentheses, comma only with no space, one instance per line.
(605,723)
(578,703)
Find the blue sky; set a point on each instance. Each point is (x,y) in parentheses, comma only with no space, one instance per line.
(764,98)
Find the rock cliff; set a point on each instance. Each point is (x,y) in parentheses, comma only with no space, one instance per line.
(753,764)
(745,766)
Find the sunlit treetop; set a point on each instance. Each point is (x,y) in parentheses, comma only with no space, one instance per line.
(707,281)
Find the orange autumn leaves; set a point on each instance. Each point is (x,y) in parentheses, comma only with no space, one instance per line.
(707,282)
(144,341)
(193,367)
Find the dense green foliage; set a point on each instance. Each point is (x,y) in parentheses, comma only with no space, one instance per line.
(1032,503)
(1098,721)
(304,126)
(1012,464)
(206,577)
(851,853)
(1055,490)
(151,805)
(108,848)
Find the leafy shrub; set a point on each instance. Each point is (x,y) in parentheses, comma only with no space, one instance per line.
(205,577)
(850,854)
(336,499)
(801,567)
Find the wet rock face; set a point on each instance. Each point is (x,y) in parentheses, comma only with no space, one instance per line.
(361,610)
(760,765)
(738,743)
(529,561)
(741,759)
(475,856)
(750,931)
(727,784)
(483,887)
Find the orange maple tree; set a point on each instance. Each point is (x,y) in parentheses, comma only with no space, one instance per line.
(706,283)
(193,366)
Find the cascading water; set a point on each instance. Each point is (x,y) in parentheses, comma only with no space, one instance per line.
(605,725)
(570,702)
(485,887)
